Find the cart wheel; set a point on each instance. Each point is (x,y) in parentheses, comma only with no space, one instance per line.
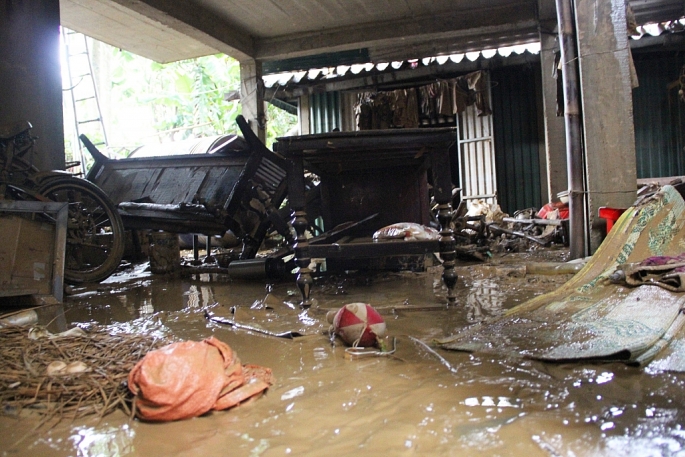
(95,232)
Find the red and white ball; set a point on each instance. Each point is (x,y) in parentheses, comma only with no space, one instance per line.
(358,324)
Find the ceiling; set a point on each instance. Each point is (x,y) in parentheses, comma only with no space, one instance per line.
(271,30)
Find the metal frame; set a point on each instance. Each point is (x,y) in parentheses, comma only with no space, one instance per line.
(60,212)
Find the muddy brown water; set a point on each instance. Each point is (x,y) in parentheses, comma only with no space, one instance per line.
(419,401)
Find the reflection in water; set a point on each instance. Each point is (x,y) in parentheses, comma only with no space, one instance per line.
(421,401)
(111,442)
(484,299)
(292,393)
(197,297)
(146,307)
(139,299)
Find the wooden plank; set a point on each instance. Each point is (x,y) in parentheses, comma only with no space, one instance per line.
(373,249)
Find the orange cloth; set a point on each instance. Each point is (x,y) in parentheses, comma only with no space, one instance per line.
(187,379)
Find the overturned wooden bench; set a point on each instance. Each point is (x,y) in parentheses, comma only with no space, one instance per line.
(232,188)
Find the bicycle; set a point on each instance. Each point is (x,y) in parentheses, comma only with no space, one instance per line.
(95,232)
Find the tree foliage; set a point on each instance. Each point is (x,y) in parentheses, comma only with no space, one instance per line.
(176,101)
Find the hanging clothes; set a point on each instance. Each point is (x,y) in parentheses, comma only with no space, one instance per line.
(364,111)
(399,115)
(382,111)
(478,83)
(425,111)
(460,94)
(444,99)
(429,104)
(412,117)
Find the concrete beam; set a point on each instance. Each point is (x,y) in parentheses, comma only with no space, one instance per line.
(607,107)
(196,22)
(404,32)
(458,42)
(547,14)
(124,28)
(30,75)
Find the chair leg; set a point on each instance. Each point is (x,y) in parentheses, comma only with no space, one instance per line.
(302,260)
(300,245)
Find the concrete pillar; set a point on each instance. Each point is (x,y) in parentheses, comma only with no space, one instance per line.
(607,107)
(252,96)
(30,75)
(555,139)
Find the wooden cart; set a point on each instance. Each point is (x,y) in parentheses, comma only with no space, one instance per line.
(230,189)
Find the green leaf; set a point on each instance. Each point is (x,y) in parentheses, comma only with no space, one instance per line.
(184,84)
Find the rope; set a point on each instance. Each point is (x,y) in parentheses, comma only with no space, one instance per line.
(356,352)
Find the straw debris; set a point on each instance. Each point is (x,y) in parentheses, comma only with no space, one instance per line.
(68,377)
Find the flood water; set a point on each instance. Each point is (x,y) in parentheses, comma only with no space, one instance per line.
(419,401)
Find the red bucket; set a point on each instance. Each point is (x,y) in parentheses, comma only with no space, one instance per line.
(611,215)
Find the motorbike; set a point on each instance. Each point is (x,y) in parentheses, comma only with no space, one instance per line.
(95,232)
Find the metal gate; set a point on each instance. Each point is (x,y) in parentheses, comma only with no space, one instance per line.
(476,156)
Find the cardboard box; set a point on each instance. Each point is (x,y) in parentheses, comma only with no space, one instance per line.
(32,244)
(26,256)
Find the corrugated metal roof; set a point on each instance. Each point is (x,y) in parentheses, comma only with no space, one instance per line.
(327,73)
(657,28)
(283,79)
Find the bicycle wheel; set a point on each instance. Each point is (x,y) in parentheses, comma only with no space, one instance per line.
(95,233)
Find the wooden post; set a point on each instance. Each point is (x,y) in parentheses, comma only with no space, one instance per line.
(303,114)
(252,96)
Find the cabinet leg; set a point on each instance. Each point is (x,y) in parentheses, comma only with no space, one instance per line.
(302,260)
(448,252)
(449,276)
(304,283)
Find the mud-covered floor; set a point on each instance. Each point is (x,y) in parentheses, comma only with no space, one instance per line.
(420,401)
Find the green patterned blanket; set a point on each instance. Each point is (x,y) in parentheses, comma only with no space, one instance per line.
(591,317)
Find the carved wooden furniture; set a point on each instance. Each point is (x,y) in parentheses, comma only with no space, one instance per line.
(364,173)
